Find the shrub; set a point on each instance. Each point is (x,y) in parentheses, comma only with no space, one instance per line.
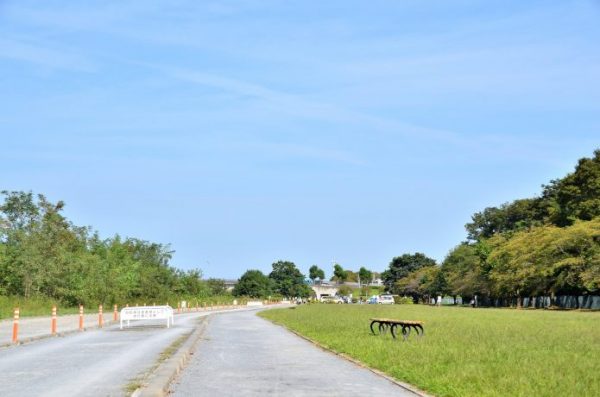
(403,300)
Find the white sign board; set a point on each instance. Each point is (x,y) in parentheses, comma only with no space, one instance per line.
(147,313)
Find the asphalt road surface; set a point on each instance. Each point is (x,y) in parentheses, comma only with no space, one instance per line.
(92,363)
(31,327)
(244,355)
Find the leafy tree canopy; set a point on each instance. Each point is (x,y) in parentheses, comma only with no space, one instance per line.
(402,266)
(315,273)
(289,281)
(254,284)
(216,286)
(465,272)
(365,275)
(43,254)
(562,202)
(339,274)
(547,260)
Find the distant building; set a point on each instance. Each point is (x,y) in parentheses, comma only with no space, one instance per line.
(229,284)
(324,289)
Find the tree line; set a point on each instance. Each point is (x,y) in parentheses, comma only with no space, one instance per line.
(548,245)
(42,253)
(341,275)
(285,280)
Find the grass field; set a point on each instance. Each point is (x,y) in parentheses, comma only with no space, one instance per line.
(465,351)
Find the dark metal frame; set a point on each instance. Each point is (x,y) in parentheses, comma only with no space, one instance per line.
(393,325)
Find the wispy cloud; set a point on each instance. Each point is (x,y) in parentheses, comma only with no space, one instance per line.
(482,144)
(301,106)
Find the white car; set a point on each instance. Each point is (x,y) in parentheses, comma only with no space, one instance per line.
(331,299)
(386,300)
(373,300)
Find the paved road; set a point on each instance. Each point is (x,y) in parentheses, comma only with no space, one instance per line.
(91,363)
(244,355)
(31,327)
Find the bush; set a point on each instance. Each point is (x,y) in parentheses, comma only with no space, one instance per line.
(344,290)
(403,300)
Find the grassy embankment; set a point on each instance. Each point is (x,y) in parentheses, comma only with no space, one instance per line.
(31,307)
(465,351)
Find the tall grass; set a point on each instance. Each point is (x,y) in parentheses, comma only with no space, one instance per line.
(38,306)
(465,351)
(41,306)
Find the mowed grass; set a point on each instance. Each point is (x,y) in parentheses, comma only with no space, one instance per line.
(465,351)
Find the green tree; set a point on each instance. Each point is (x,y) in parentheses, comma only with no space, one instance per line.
(578,194)
(402,266)
(216,286)
(547,260)
(464,271)
(190,283)
(254,284)
(563,201)
(518,215)
(288,280)
(339,274)
(365,275)
(351,276)
(439,284)
(315,273)
(43,254)
(419,284)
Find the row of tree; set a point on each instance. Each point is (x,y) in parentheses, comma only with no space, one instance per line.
(543,246)
(341,275)
(284,280)
(42,253)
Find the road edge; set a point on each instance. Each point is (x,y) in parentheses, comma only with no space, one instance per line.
(61,334)
(406,386)
(165,373)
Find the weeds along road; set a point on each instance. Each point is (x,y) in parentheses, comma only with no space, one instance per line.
(92,363)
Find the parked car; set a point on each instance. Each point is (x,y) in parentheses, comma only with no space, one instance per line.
(386,300)
(373,300)
(331,299)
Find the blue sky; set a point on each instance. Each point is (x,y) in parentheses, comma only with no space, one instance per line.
(243,132)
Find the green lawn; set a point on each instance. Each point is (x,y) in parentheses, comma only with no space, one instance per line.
(465,351)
